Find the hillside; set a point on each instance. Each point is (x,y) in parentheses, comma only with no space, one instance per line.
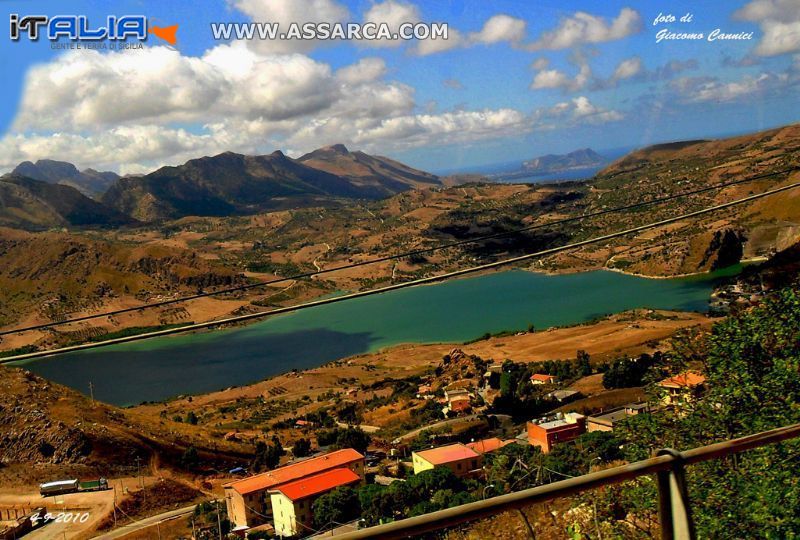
(183,255)
(377,175)
(49,431)
(90,182)
(234,184)
(45,275)
(756,229)
(33,204)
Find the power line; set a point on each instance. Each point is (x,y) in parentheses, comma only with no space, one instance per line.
(386,258)
(404,285)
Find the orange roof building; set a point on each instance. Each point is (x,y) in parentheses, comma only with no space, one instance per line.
(687,379)
(248,500)
(459,458)
(487,446)
(683,387)
(543,378)
(292,502)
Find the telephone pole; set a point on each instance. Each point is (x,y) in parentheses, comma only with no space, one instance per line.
(91,392)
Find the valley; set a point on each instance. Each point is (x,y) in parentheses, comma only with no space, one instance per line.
(173,258)
(369,361)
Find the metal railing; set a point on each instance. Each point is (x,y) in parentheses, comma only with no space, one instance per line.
(668,465)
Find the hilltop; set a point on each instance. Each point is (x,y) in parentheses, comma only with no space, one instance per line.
(34,204)
(234,184)
(89,182)
(377,175)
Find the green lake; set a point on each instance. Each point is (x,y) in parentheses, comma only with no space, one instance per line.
(453,311)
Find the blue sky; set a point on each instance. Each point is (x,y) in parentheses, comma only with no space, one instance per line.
(515,80)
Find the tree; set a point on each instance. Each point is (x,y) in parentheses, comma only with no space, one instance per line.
(301,447)
(267,456)
(578,457)
(751,363)
(629,372)
(349,437)
(190,459)
(191,418)
(348,413)
(583,361)
(338,506)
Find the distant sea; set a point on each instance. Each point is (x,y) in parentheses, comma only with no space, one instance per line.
(495,171)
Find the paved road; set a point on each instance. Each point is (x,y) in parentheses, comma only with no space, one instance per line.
(414,432)
(120,532)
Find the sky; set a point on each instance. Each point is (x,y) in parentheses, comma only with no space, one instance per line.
(514,80)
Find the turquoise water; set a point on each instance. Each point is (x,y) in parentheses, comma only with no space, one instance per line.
(453,311)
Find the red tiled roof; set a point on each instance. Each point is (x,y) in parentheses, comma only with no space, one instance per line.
(488,445)
(318,483)
(688,379)
(542,377)
(295,471)
(447,454)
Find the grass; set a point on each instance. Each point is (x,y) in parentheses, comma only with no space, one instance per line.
(19,350)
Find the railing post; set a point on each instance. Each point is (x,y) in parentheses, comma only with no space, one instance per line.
(674,510)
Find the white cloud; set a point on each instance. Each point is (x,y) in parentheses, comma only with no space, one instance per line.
(136,111)
(551,78)
(84,89)
(365,70)
(126,149)
(429,46)
(584,109)
(286,12)
(391,13)
(540,63)
(628,68)
(710,89)
(178,107)
(780,25)
(499,28)
(577,111)
(582,28)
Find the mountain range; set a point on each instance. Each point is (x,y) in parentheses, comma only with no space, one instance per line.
(54,193)
(89,181)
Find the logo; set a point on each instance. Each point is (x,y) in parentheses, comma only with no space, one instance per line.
(167,33)
(77,28)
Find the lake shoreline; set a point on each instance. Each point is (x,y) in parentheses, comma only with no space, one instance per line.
(453,311)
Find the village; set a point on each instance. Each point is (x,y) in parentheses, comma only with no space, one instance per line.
(487,428)
(340,489)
